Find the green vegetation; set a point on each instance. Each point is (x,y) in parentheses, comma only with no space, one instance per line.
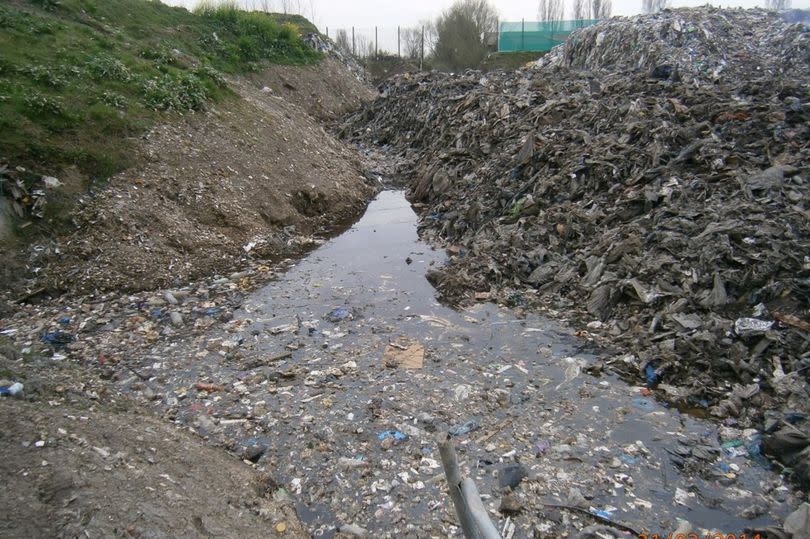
(79,78)
(508,60)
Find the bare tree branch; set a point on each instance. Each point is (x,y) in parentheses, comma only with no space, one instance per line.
(462,32)
(654,6)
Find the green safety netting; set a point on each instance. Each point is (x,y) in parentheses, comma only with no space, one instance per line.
(536,36)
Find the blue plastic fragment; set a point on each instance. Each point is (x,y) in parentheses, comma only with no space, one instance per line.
(601,513)
(643,404)
(464,428)
(338,314)
(627,459)
(395,434)
(212,311)
(156,313)
(725,468)
(64,320)
(57,339)
(650,374)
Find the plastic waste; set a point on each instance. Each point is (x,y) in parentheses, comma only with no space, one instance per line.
(338,314)
(643,404)
(464,428)
(14,390)
(650,374)
(57,339)
(395,434)
(602,513)
(745,327)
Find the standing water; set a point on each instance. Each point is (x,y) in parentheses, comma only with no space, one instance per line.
(349,435)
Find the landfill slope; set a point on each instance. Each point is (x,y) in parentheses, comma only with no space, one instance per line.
(648,181)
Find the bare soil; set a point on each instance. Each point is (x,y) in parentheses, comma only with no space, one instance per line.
(257,170)
(72,472)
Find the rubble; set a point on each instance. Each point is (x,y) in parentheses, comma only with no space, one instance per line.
(647,181)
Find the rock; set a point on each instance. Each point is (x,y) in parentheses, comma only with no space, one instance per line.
(510,475)
(510,505)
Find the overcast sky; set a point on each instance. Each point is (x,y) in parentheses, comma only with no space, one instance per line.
(388,14)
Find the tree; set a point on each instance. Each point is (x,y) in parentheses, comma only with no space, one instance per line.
(578,11)
(779,5)
(342,41)
(412,43)
(654,6)
(600,9)
(461,33)
(551,11)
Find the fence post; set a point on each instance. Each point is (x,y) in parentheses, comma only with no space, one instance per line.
(327,31)
(376,53)
(354,50)
(522,34)
(399,48)
(422,55)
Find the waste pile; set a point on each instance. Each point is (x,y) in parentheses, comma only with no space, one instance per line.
(704,44)
(647,181)
(326,46)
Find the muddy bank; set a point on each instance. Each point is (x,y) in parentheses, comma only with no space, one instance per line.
(256,174)
(655,197)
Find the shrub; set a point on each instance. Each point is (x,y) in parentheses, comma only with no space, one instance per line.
(161,56)
(174,92)
(42,104)
(113,99)
(106,67)
(205,71)
(45,75)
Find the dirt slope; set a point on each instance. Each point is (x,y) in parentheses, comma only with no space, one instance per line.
(257,169)
(98,474)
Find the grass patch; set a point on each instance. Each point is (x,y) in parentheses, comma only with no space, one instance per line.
(508,60)
(80,78)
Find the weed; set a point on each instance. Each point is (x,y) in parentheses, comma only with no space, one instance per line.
(106,67)
(113,99)
(40,104)
(45,75)
(161,56)
(205,71)
(181,92)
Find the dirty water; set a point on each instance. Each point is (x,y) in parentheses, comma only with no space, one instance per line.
(315,418)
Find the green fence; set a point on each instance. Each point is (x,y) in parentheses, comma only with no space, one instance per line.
(536,36)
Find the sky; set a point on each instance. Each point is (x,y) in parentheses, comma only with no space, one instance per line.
(364,15)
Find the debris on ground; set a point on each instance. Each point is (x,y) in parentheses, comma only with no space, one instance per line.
(648,181)
(349,441)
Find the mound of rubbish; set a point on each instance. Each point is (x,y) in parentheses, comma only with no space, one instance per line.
(706,44)
(666,216)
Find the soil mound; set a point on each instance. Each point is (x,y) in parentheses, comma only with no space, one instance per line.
(255,175)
